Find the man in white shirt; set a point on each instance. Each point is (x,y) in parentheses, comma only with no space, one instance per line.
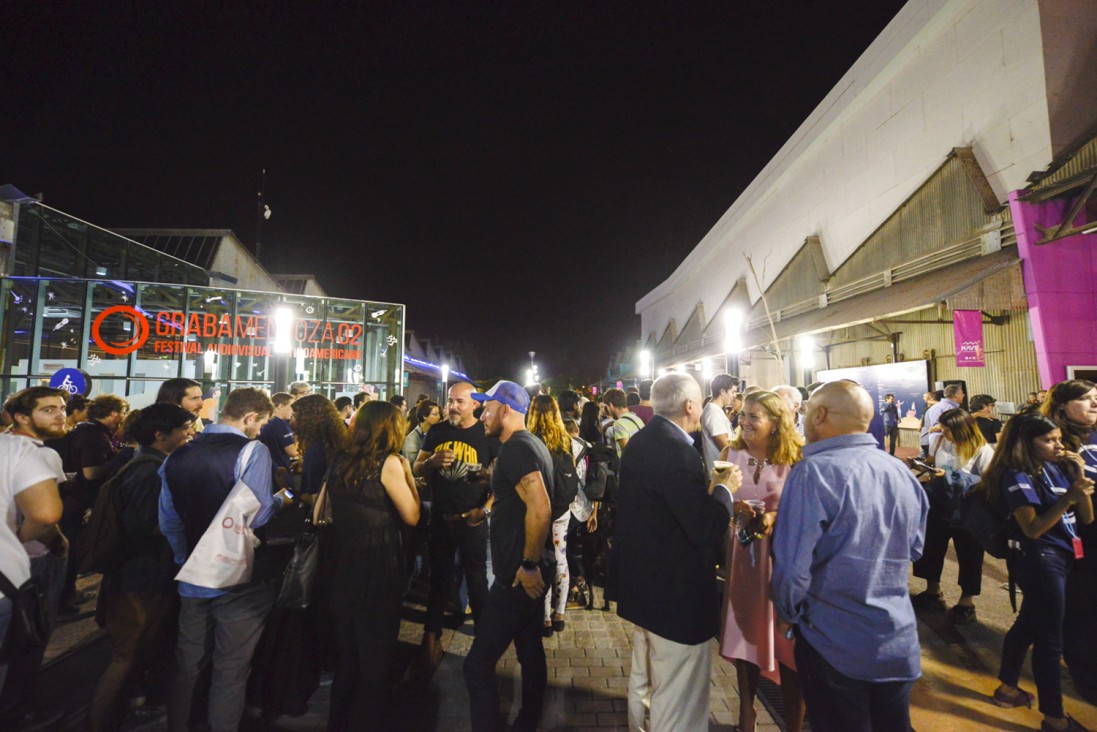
(716,428)
(28,486)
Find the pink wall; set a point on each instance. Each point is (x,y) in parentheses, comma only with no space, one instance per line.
(1061,284)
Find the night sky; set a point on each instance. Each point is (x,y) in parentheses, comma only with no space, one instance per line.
(518,174)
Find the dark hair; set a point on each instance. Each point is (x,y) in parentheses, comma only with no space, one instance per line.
(160,417)
(722,382)
(1054,408)
(645,389)
(343,402)
(24,402)
(377,432)
(318,422)
(76,403)
(359,398)
(615,398)
(589,428)
(568,400)
(939,396)
(106,405)
(398,400)
(632,399)
(172,391)
(280,399)
(247,399)
(980,401)
(1014,452)
(889,395)
(424,409)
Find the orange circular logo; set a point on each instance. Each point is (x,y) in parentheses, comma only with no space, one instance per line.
(123,348)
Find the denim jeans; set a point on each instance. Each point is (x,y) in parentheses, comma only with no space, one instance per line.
(1041,573)
(510,615)
(837,703)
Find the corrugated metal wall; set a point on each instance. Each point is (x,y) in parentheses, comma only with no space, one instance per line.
(1011,370)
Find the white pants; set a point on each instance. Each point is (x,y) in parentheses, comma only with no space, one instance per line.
(669,684)
(556,596)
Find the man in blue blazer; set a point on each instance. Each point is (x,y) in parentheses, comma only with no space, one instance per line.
(662,567)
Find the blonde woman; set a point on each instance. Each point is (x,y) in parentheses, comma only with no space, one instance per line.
(765,447)
(545,422)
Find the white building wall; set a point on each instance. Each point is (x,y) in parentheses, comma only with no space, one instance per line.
(943,74)
(234,259)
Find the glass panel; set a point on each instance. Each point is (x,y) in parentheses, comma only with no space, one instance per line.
(142,263)
(62,314)
(62,242)
(162,306)
(26,242)
(253,332)
(113,335)
(210,326)
(105,254)
(18,325)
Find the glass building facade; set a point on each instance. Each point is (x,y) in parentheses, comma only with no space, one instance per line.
(131,317)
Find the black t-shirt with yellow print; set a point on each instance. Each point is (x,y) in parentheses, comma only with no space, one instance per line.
(451,489)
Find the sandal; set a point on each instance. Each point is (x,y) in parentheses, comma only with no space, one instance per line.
(1012,699)
(1072,726)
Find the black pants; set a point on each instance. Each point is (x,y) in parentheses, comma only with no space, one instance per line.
(367,642)
(446,539)
(1080,623)
(837,703)
(969,553)
(510,615)
(893,438)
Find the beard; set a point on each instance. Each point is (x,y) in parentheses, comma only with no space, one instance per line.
(455,419)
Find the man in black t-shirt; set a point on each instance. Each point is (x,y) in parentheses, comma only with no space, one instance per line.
(982,408)
(521,515)
(454,458)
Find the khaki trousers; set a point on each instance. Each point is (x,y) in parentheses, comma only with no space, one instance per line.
(668,688)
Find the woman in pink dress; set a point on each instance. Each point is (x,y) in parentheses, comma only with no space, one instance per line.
(765,448)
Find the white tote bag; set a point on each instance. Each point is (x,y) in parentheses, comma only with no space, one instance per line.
(223,556)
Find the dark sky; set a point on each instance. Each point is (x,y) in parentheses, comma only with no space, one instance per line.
(518,173)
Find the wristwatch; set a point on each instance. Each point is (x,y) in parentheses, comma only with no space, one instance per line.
(529,564)
(487,511)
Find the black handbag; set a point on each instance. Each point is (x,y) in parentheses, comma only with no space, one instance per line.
(29,629)
(299,578)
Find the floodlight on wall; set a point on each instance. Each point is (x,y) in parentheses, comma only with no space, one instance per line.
(706,370)
(806,346)
(662,372)
(645,364)
(529,377)
(209,360)
(283,327)
(445,372)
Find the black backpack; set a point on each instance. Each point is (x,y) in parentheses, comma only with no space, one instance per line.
(600,461)
(102,545)
(565,483)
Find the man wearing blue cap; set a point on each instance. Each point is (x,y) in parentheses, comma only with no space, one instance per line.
(520,519)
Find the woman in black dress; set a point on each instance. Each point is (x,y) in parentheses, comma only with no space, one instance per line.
(372,493)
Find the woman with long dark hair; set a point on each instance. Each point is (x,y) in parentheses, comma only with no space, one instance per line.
(1073,406)
(961,458)
(1043,488)
(765,448)
(372,493)
(320,433)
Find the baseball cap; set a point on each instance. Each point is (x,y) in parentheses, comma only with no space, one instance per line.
(979,401)
(505,392)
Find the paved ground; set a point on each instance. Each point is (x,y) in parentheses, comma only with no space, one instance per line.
(588,675)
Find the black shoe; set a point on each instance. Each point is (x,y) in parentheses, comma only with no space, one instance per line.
(547,631)
(928,600)
(558,626)
(962,614)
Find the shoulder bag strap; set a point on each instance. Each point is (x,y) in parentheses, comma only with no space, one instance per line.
(9,590)
(321,511)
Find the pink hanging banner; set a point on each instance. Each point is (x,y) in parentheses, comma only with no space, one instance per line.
(967,329)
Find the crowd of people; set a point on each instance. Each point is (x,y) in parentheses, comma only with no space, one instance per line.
(517,507)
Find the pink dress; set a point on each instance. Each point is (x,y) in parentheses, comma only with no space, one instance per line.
(748,630)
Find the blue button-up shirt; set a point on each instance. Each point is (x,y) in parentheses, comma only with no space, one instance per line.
(257,474)
(852,519)
(933,416)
